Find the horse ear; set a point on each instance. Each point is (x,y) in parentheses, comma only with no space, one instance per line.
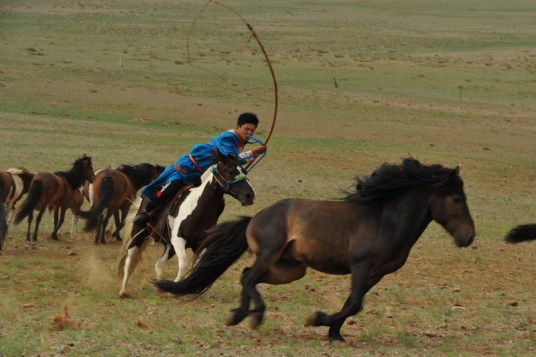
(457,169)
(216,154)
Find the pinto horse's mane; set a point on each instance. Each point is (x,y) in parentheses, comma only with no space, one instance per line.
(18,171)
(391,179)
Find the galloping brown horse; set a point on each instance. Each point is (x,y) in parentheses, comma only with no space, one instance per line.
(54,191)
(114,190)
(369,234)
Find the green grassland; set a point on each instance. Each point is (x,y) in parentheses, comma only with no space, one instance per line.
(360,83)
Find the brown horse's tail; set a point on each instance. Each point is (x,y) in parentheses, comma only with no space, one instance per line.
(521,233)
(223,245)
(34,195)
(3,222)
(91,216)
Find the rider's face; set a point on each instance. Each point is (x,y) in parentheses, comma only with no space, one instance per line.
(245,130)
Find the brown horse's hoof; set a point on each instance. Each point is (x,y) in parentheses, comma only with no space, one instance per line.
(256,319)
(123,294)
(312,320)
(336,341)
(236,317)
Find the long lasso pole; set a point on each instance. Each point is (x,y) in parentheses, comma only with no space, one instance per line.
(263,49)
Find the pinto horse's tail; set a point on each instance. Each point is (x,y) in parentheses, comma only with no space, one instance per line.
(521,233)
(223,245)
(3,222)
(106,192)
(34,195)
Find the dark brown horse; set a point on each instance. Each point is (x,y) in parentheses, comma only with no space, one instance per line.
(114,191)
(54,191)
(369,234)
(184,221)
(521,233)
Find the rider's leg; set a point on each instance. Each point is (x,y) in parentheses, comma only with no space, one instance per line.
(153,205)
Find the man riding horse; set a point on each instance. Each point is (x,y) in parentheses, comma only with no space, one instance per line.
(189,167)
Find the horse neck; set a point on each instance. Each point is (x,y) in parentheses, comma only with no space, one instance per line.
(208,178)
(74,177)
(139,177)
(26,180)
(406,217)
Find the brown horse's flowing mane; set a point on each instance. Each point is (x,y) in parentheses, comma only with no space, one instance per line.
(75,175)
(391,179)
(140,173)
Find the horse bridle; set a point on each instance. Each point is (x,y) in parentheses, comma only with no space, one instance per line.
(226,184)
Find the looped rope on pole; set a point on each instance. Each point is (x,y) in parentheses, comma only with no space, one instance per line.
(268,62)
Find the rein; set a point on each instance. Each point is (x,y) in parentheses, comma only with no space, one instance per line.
(226,184)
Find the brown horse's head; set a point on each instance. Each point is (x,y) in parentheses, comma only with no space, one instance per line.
(87,168)
(449,208)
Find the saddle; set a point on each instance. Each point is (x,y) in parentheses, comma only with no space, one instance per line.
(159,227)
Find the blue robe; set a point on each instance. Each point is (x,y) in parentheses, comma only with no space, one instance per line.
(227,143)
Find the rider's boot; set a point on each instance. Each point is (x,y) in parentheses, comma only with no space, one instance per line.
(146,214)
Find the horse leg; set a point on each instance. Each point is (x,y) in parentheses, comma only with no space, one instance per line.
(132,257)
(179,244)
(260,270)
(361,284)
(250,277)
(99,230)
(74,225)
(169,252)
(281,272)
(54,234)
(119,224)
(37,221)
(104,225)
(61,220)
(30,219)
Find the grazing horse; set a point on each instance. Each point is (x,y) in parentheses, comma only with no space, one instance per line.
(114,190)
(521,233)
(368,234)
(14,183)
(55,191)
(189,214)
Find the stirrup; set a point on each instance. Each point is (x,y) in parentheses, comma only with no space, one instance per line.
(142,219)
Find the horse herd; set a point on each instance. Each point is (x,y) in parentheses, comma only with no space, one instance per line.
(110,191)
(367,234)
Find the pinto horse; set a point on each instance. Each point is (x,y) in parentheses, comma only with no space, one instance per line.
(14,183)
(55,191)
(189,214)
(368,234)
(114,190)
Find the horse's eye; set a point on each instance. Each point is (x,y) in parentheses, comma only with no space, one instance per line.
(457,199)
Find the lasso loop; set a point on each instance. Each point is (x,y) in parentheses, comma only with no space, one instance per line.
(256,37)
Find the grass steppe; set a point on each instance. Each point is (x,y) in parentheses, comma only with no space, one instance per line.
(360,83)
